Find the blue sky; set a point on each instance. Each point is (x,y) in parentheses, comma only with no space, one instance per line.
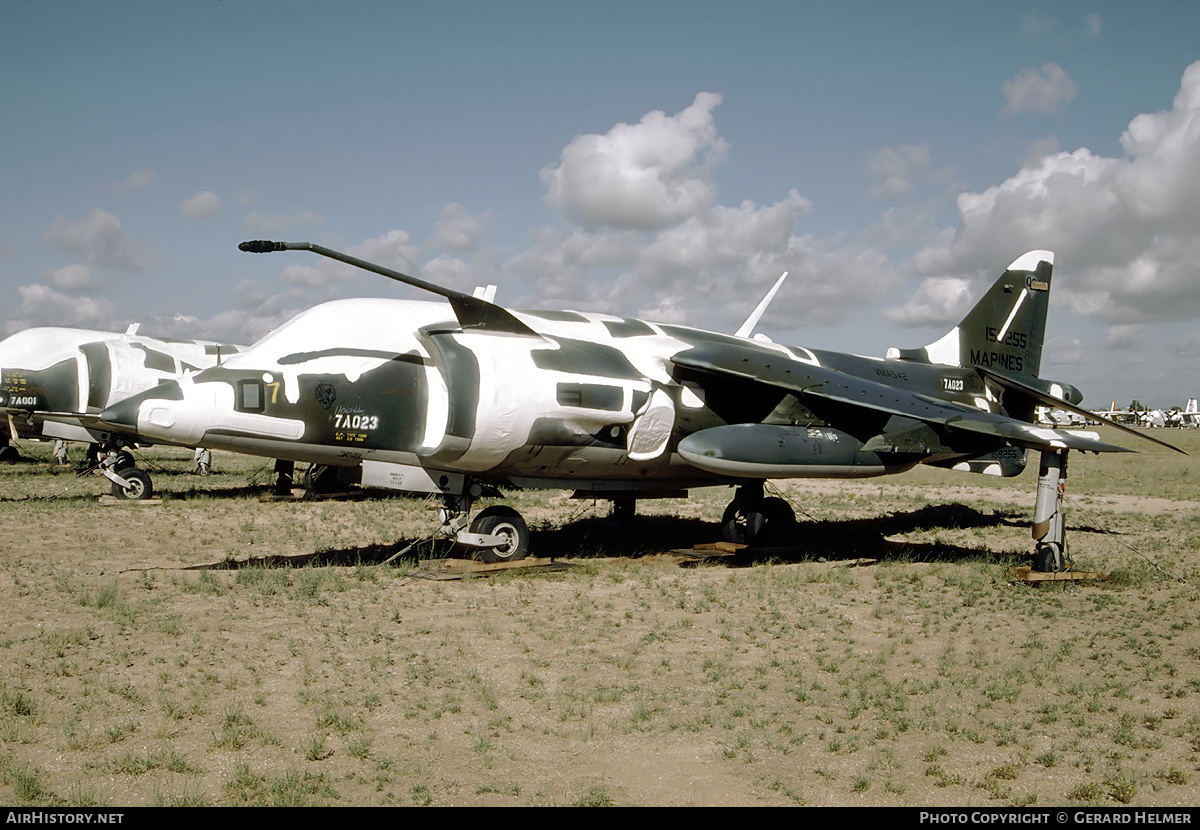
(659,159)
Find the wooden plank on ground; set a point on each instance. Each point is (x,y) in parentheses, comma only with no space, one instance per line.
(110,500)
(451,569)
(1031,577)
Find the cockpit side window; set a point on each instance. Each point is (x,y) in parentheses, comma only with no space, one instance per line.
(250,395)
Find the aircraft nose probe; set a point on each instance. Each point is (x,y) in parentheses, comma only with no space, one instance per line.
(472,312)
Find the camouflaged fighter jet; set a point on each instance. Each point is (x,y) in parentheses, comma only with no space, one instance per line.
(452,399)
(51,379)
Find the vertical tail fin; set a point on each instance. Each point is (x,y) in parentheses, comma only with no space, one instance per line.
(1005,329)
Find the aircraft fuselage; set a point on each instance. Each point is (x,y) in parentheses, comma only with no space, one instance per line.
(593,400)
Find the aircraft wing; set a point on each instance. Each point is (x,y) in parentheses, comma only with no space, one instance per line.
(774,369)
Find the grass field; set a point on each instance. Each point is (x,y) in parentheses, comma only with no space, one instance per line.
(220,650)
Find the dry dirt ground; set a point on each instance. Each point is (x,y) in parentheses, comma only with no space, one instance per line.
(217,649)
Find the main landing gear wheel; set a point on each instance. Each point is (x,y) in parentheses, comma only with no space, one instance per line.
(1048,559)
(762,521)
(502,521)
(140,487)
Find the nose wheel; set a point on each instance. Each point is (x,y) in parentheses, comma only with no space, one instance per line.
(132,484)
(496,534)
(507,524)
(128,482)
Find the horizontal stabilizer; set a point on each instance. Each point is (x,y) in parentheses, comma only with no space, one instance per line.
(1009,382)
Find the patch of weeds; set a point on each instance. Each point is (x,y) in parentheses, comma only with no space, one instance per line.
(246,787)
(265,581)
(1090,791)
(333,717)
(309,584)
(1047,759)
(1121,789)
(595,797)
(360,748)
(108,596)
(27,785)
(85,795)
(315,749)
(1007,772)
(117,732)
(131,763)
(301,789)
(187,797)
(1174,775)
(125,691)
(941,778)
(933,753)
(237,729)
(16,703)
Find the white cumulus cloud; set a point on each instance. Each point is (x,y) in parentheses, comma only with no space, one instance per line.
(897,171)
(939,299)
(41,305)
(458,230)
(644,176)
(204,205)
(1126,230)
(72,278)
(136,181)
(100,237)
(1038,91)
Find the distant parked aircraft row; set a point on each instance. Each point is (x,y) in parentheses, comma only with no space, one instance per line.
(1187,418)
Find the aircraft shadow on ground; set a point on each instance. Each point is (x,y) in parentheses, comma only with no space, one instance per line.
(605,537)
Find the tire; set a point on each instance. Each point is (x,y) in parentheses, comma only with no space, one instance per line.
(9,455)
(503,521)
(140,487)
(1044,560)
(766,521)
(322,479)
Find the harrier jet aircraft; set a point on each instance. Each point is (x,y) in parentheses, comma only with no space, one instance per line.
(51,378)
(455,399)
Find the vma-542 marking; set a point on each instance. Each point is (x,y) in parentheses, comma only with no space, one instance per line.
(449,400)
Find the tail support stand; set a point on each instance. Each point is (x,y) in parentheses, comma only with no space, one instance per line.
(1049,524)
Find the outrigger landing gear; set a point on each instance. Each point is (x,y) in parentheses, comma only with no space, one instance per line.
(1049,524)
(752,518)
(497,534)
(285,472)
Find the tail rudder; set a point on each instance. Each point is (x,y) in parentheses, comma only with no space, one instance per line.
(1006,328)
